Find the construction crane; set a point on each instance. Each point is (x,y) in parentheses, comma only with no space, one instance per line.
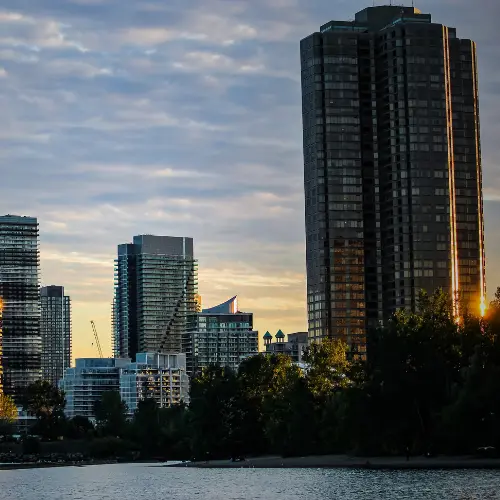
(96,338)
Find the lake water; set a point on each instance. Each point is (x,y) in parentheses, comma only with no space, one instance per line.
(152,482)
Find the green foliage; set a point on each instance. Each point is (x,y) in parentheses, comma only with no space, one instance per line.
(79,428)
(213,407)
(46,402)
(42,399)
(430,385)
(328,367)
(8,415)
(111,415)
(8,409)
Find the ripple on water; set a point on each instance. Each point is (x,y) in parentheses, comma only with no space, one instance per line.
(139,481)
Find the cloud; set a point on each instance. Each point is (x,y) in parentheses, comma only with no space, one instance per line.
(181,118)
(18,30)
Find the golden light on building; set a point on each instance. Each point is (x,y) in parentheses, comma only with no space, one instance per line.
(479,180)
(482,307)
(1,344)
(197,300)
(455,280)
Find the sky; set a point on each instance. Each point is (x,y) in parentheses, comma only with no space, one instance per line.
(183,118)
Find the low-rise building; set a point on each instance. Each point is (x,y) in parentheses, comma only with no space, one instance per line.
(161,377)
(85,384)
(158,376)
(293,347)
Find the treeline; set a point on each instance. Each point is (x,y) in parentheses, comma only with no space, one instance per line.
(430,385)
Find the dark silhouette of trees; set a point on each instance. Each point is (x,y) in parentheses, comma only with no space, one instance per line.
(111,415)
(431,384)
(46,402)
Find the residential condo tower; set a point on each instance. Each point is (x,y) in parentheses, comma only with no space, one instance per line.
(393,182)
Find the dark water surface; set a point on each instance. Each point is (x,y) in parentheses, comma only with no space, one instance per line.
(151,482)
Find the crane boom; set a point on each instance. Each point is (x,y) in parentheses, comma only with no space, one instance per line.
(96,338)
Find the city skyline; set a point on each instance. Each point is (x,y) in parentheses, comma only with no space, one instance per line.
(176,162)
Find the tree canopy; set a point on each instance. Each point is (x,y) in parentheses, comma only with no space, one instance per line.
(8,409)
(430,385)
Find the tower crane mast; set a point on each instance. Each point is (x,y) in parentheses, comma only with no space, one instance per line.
(96,338)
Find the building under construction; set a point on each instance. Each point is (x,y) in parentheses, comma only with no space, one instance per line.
(156,282)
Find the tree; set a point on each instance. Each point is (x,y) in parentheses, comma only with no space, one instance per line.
(213,396)
(328,367)
(79,427)
(111,414)
(175,432)
(146,427)
(42,399)
(8,414)
(8,409)
(414,363)
(46,402)
(263,405)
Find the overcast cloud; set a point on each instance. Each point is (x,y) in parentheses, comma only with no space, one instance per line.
(182,118)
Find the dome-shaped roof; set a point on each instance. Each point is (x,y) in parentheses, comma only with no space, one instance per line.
(267,335)
(280,335)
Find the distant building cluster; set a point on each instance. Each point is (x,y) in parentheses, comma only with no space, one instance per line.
(161,377)
(160,334)
(36,323)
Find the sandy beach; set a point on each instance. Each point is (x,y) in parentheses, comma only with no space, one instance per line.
(344,461)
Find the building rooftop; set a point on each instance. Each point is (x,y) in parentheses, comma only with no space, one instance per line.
(148,244)
(20,219)
(377,18)
(228,307)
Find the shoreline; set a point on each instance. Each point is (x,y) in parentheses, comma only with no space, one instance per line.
(311,462)
(346,462)
(85,463)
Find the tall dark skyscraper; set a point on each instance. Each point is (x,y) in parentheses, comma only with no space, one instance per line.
(156,282)
(20,294)
(55,328)
(393,181)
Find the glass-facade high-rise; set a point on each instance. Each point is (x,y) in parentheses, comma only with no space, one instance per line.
(20,295)
(156,282)
(55,329)
(393,179)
